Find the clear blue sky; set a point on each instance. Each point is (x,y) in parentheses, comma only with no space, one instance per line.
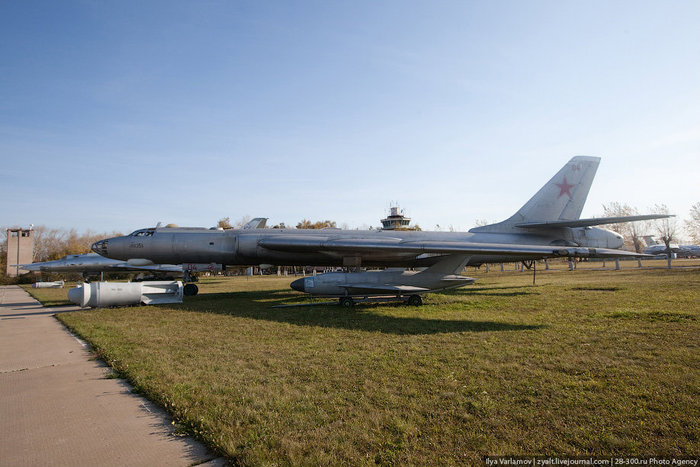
(117,115)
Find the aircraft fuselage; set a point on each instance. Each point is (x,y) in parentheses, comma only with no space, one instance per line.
(256,246)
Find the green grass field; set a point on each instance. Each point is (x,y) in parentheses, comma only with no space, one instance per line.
(585,362)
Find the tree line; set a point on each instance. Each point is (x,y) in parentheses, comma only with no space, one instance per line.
(665,230)
(51,243)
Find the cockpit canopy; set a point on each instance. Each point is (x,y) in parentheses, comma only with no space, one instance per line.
(142,233)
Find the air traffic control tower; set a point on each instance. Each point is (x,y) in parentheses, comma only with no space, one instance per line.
(20,250)
(395,220)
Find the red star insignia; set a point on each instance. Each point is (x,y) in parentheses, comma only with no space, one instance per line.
(564,187)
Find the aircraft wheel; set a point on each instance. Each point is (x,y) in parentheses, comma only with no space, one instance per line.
(415,300)
(190,290)
(347,302)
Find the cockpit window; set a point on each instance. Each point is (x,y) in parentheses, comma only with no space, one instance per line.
(142,233)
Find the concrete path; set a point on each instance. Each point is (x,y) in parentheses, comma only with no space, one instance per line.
(57,408)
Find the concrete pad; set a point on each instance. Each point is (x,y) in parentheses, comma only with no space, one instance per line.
(27,343)
(58,408)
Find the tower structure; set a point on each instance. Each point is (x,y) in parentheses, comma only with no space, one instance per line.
(20,250)
(395,220)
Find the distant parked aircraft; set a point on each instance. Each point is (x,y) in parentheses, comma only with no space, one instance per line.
(688,251)
(548,225)
(655,248)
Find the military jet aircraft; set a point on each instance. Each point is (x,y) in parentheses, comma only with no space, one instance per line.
(689,251)
(548,225)
(399,284)
(655,248)
(679,251)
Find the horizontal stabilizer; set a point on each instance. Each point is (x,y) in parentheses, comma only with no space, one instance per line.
(590,222)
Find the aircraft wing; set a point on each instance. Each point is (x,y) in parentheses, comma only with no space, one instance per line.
(107,266)
(591,221)
(378,288)
(303,243)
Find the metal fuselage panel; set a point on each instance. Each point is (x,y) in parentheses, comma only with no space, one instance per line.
(205,246)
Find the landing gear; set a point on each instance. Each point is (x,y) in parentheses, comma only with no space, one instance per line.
(346,302)
(414,300)
(190,290)
(187,276)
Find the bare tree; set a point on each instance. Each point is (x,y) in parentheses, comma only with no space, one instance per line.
(637,231)
(632,232)
(666,228)
(48,243)
(692,225)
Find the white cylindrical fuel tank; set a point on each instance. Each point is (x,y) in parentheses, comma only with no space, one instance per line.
(104,294)
(48,285)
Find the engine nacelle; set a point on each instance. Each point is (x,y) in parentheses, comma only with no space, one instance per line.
(596,237)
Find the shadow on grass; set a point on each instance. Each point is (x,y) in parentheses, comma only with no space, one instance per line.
(502,294)
(492,291)
(597,289)
(257,305)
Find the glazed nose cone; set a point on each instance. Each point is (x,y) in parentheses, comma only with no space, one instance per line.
(100,247)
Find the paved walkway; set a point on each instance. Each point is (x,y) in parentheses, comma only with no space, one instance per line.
(57,408)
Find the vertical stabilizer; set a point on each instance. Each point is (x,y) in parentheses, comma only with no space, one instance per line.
(561,198)
(449,264)
(649,240)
